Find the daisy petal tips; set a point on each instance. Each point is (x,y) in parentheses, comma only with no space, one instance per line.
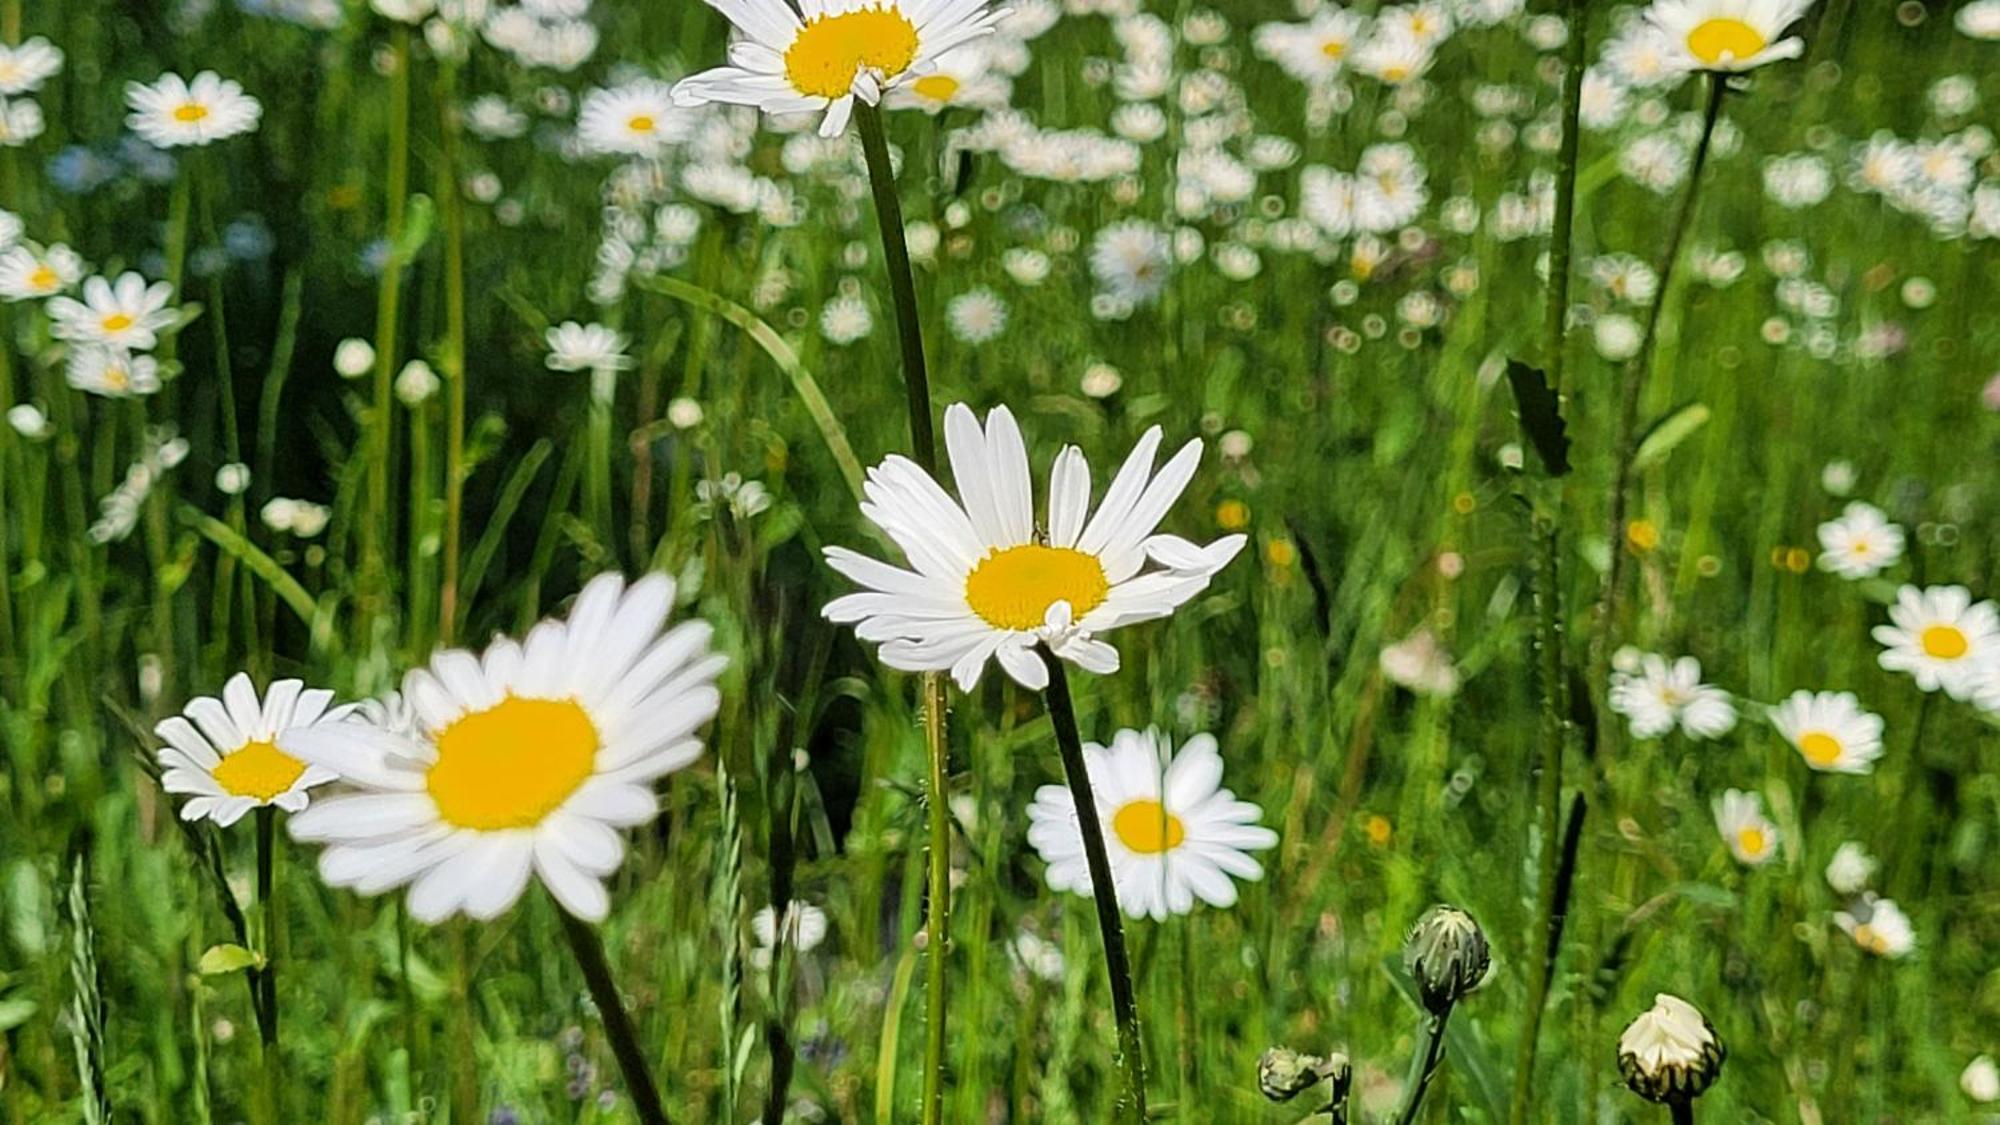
(518,763)
(983,583)
(838,51)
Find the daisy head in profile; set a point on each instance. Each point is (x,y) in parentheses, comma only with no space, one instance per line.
(1749,834)
(522,762)
(985,583)
(1941,637)
(638,118)
(28,274)
(1727,35)
(827,53)
(1174,834)
(223,754)
(1830,730)
(1671,1052)
(1861,543)
(173,112)
(1878,926)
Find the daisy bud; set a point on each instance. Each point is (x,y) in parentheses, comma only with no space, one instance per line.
(416,383)
(353,357)
(1284,1074)
(1446,954)
(1671,1052)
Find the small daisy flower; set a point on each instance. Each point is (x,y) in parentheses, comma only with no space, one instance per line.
(1940,637)
(805,928)
(845,320)
(26,275)
(964,76)
(23,69)
(525,760)
(176,113)
(987,584)
(1313,52)
(1393,56)
(224,752)
(20,122)
(127,314)
(1131,260)
(1861,543)
(1727,35)
(976,316)
(111,372)
(1750,835)
(1830,730)
(1172,832)
(636,119)
(1850,869)
(1658,696)
(1878,926)
(839,50)
(587,347)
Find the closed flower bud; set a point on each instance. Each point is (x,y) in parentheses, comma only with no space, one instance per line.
(1446,954)
(1671,1052)
(1284,1074)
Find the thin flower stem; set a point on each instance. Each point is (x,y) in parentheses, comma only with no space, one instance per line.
(1424,1066)
(589,951)
(388,307)
(267,978)
(1131,1105)
(452,358)
(923,444)
(1682,1110)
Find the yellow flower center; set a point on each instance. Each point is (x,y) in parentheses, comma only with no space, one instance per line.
(1945,642)
(1820,748)
(44,277)
(117,322)
(512,764)
(1395,73)
(259,770)
(936,87)
(190,113)
(1333,48)
(1147,827)
(1751,841)
(1014,588)
(1871,939)
(1724,40)
(823,59)
(640,123)
(117,378)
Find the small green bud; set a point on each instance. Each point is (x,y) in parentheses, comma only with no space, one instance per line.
(1446,954)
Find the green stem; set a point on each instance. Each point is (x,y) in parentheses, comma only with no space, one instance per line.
(589,951)
(1424,1066)
(1131,1105)
(902,282)
(453,357)
(267,979)
(388,307)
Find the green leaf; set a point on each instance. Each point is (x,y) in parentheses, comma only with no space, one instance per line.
(227,958)
(1541,415)
(1667,433)
(15,1011)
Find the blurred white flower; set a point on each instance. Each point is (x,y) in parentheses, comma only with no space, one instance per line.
(1861,543)
(1749,834)
(1850,869)
(1878,926)
(805,928)
(1658,696)
(176,113)
(586,347)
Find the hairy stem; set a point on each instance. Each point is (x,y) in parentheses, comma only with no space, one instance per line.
(1424,1066)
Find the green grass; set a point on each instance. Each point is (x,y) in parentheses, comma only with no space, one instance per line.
(1368,468)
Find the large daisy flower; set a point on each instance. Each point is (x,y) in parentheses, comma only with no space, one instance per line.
(175,113)
(1941,638)
(1172,832)
(831,52)
(1830,730)
(224,752)
(986,584)
(1727,35)
(523,760)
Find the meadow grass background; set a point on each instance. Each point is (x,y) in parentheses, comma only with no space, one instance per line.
(1367,465)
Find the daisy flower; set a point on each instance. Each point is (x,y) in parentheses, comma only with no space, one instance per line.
(587,347)
(805,928)
(1940,637)
(1878,926)
(1830,730)
(976,316)
(1727,35)
(1850,869)
(23,69)
(111,372)
(987,584)
(1751,836)
(20,122)
(1394,56)
(1658,696)
(176,113)
(636,119)
(1643,57)
(1861,543)
(1131,260)
(523,761)
(1312,52)
(964,76)
(26,275)
(1175,834)
(224,752)
(839,51)
(1671,1050)
(127,314)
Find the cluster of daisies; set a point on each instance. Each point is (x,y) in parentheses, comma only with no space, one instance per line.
(1939,636)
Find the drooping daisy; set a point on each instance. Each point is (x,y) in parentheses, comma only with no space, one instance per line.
(1861,543)
(1312,52)
(586,347)
(524,761)
(1750,835)
(1878,926)
(1940,637)
(805,928)
(840,50)
(27,276)
(986,584)
(23,69)
(966,76)
(1830,730)
(1131,260)
(1658,696)
(1172,832)
(638,118)
(176,113)
(127,314)
(112,372)
(224,752)
(1727,35)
